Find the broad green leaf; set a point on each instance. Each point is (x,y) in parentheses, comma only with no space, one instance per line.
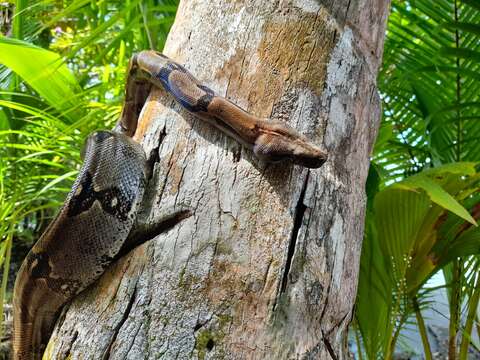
(43,70)
(405,232)
(458,168)
(374,290)
(437,194)
(399,215)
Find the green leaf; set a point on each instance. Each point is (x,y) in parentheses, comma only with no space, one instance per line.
(459,168)
(399,215)
(43,70)
(426,103)
(372,184)
(4,123)
(437,194)
(385,133)
(462,53)
(465,26)
(19,19)
(474,3)
(374,290)
(468,243)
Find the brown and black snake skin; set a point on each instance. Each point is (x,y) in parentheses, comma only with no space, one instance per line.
(98,221)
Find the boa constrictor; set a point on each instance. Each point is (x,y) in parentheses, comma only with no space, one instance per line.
(102,219)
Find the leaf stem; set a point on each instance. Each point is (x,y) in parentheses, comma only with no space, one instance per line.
(458,85)
(455,296)
(422,329)
(472,312)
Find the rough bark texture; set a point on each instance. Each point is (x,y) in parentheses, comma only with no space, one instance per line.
(267,267)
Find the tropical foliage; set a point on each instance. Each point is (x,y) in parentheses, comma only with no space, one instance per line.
(423,186)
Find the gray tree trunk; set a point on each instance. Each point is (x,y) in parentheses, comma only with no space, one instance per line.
(267,267)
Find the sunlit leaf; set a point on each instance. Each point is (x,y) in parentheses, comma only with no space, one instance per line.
(43,70)
(437,195)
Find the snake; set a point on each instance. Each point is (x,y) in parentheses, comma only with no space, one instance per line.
(102,217)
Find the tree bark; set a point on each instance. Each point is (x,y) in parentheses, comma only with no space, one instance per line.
(267,267)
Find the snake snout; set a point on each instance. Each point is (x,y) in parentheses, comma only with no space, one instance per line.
(312,161)
(273,148)
(307,154)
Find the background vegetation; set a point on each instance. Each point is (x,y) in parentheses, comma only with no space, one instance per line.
(62,76)
(423,186)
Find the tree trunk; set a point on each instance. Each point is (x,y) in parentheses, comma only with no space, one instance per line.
(267,267)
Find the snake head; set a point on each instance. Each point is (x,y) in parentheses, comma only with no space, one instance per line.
(277,142)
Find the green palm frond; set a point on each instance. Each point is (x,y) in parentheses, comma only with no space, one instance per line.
(414,228)
(430,86)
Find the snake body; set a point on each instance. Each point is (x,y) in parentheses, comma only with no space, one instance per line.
(270,140)
(99,218)
(89,231)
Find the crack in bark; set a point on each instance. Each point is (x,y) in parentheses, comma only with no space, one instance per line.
(154,156)
(265,276)
(329,347)
(201,324)
(126,313)
(133,340)
(165,181)
(74,338)
(62,316)
(347,10)
(184,167)
(237,154)
(297,223)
